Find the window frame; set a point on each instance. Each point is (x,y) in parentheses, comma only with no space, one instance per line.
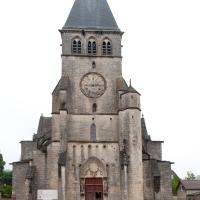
(76,46)
(92,49)
(107,47)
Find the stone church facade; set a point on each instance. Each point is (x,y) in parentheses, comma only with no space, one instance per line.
(95,146)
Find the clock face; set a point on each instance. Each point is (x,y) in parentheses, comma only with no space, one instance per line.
(93,85)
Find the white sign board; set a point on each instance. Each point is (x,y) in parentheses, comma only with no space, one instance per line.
(47,195)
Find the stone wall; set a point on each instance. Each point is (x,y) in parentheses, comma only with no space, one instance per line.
(76,68)
(19,186)
(27,148)
(104,153)
(78,127)
(148,181)
(40,161)
(165,188)
(154,148)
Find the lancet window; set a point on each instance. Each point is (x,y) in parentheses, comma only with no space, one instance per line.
(93,132)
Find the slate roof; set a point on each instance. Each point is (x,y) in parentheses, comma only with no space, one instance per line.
(44,127)
(144,129)
(191,184)
(63,84)
(133,90)
(91,14)
(121,84)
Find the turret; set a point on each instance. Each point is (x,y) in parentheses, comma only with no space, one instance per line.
(131,144)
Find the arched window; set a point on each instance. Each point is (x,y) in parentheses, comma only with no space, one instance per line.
(76,46)
(93,132)
(106,47)
(94,108)
(92,47)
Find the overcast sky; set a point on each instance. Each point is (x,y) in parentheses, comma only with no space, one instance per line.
(161,54)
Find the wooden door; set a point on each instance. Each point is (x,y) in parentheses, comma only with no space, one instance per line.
(93,189)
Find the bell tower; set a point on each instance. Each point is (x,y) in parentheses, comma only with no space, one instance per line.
(98,112)
(91,57)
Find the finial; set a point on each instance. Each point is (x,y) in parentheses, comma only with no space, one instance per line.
(41,114)
(142,115)
(130,83)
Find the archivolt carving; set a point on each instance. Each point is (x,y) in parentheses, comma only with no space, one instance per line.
(93,167)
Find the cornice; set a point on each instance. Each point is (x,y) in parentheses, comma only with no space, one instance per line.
(86,55)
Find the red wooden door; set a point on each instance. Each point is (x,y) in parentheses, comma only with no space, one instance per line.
(93,189)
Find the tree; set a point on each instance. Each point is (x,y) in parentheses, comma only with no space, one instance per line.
(2,164)
(5,180)
(7,177)
(175,182)
(190,176)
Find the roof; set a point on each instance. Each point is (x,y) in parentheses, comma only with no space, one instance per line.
(133,90)
(144,129)
(91,14)
(191,184)
(196,194)
(121,84)
(44,127)
(63,84)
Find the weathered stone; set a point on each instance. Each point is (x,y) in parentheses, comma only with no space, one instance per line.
(95,137)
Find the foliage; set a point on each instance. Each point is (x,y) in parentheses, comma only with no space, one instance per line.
(190,176)
(6,191)
(2,163)
(5,180)
(7,177)
(175,182)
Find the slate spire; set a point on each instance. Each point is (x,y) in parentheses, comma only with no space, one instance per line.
(91,14)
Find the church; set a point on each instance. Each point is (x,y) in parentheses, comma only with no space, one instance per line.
(95,145)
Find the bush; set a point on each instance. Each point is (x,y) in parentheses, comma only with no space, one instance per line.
(6,191)
(7,177)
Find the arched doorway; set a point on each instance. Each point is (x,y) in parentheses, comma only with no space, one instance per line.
(93,180)
(94,189)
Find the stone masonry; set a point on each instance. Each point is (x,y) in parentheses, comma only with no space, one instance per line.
(95,146)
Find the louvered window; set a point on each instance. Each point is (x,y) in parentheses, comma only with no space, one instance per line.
(76,46)
(92,47)
(106,47)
